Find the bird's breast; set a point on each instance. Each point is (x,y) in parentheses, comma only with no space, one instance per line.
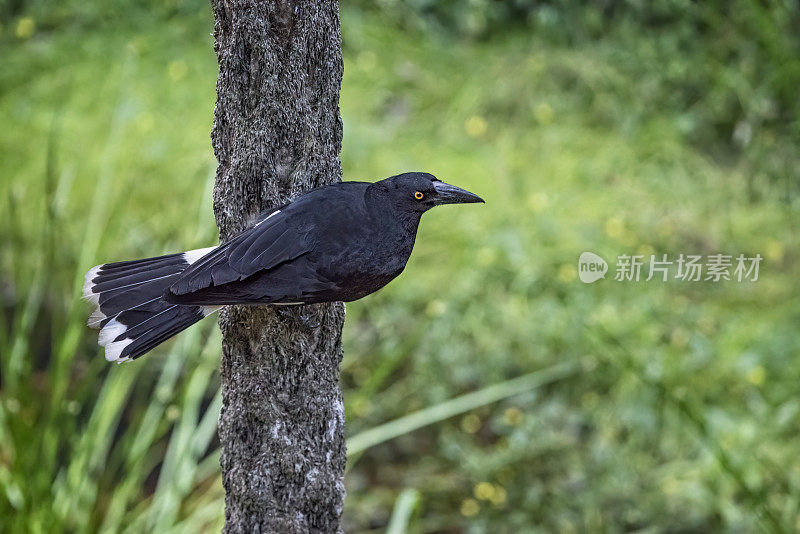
(362,266)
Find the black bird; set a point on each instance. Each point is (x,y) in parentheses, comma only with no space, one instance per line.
(339,242)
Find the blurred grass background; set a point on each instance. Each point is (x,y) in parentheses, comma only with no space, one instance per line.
(487,389)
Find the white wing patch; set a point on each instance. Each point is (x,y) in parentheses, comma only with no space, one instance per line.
(192,256)
(259,223)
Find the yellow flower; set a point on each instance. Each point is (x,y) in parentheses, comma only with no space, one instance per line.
(177,70)
(566,273)
(25,28)
(469,507)
(483,491)
(679,338)
(670,485)
(757,375)
(707,325)
(499,496)
(436,308)
(145,122)
(614,227)
(470,423)
(513,416)
(475,126)
(173,412)
(544,113)
(646,251)
(360,407)
(538,201)
(775,250)
(486,256)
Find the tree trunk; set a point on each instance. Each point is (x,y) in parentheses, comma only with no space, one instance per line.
(277,132)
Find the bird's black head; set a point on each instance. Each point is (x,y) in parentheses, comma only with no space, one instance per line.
(420,191)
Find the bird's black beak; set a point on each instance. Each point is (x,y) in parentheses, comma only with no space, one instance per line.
(450,194)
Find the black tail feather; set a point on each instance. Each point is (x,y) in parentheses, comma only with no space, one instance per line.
(131,314)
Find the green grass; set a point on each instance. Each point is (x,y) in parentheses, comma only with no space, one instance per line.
(675,405)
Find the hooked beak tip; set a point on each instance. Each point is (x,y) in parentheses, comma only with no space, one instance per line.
(450,194)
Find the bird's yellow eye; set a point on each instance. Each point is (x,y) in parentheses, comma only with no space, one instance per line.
(418,195)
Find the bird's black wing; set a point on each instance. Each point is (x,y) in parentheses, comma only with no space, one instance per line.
(275,240)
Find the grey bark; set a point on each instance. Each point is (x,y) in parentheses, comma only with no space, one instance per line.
(277,132)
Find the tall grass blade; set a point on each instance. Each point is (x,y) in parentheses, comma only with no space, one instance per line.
(403,508)
(409,423)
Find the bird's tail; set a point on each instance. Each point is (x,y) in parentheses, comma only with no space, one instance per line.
(130,312)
